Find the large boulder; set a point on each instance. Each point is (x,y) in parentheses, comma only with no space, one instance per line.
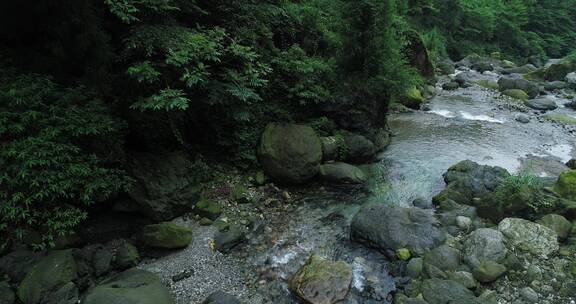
(528,236)
(165,184)
(47,276)
(516,93)
(390,228)
(508,83)
(342,173)
(541,104)
(437,291)
(133,286)
(525,69)
(167,235)
(412,98)
(290,153)
(483,245)
(358,147)
(488,271)
(559,69)
(321,281)
(443,257)
(566,185)
(18,263)
(468,180)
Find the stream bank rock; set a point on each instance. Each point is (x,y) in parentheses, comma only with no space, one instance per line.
(290,153)
(49,278)
(390,228)
(541,104)
(164,187)
(566,185)
(484,245)
(528,236)
(558,223)
(509,83)
(131,286)
(167,235)
(437,291)
(339,172)
(468,180)
(220,297)
(321,281)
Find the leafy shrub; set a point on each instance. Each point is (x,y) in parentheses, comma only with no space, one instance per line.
(54,144)
(524,188)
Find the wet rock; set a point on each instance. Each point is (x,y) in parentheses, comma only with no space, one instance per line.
(183,275)
(7,296)
(131,286)
(559,69)
(483,245)
(290,153)
(489,84)
(220,297)
(468,180)
(339,172)
(127,255)
(571,164)
(163,189)
(321,281)
(330,147)
(463,277)
(67,294)
(208,209)
(528,236)
(451,86)
(555,85)
(469,60)
(17,264)
(571,80)
(436,291)
(414,267)
(102,260)
(558,223)
(167,235)
(482,66)
(358,147)
(463,222)
(525,69)
(488,271)
(516,94)
(508,83)
(566,185)
(412,98)
(228,240)
(422,203)
(391,228)
(52,272)
(542,104)
(522,118)
(450,211)
(444,257)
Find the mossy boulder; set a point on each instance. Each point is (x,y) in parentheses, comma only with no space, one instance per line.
(133,286)
(508,83)
(451,86)
(339,172)
(127,255)
(516,93)
(566,185)
(290,153)
(541,104)
(488,271)
(412,98)
(558,223)
(489,84)
(561,118)
(483,245)
(559,69)
(167,235)
(358,148)
(321,281)
(207,208)
(51,273)
(530,237)
(437,291)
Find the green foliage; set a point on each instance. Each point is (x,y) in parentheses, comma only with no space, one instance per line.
(53,148)
(524,186)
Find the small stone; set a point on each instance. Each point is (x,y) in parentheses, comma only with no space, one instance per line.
(488,271)
(414,267)
(463,277)
(529,295)
(182,275)
(534,273)
(220,297)
(403,254)
(522,118)
(463,222)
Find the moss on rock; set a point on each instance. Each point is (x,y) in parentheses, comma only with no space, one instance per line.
(167,235)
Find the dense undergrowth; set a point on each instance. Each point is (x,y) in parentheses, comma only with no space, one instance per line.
(84,83)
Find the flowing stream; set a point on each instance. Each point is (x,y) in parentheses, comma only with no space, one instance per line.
(473,123)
